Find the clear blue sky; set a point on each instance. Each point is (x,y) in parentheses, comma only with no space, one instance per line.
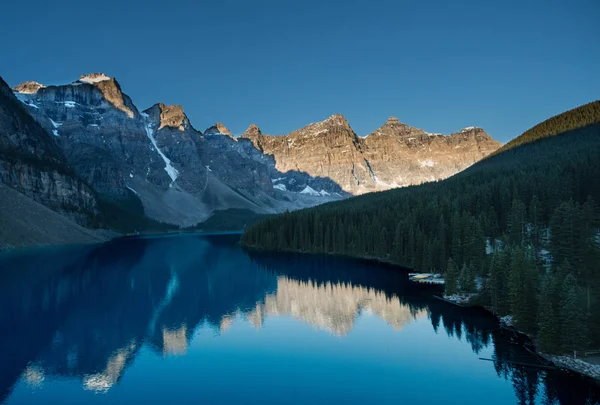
(438,65)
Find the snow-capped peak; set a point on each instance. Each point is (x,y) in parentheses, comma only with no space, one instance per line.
(94,78)
(28,87)
(466,129)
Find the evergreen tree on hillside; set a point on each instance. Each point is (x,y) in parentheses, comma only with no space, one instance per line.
(548,319)
(498,283)
(466,280)
(451,278)
(522,285)
(572,315)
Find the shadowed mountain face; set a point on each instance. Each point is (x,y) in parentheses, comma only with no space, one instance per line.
(180,176)
(32,163)
(84,316)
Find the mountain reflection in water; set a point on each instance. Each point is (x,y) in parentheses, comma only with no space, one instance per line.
(86,313)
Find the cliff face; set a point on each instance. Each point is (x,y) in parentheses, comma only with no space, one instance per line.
(394,155)
(97,127)
(400,155)
(328,149)
(33,164)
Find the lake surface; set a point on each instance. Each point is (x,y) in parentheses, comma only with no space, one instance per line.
(196,319)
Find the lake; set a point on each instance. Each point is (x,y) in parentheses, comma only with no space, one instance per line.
(197,319)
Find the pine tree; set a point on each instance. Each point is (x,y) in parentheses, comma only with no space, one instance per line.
(498,284)
(451,278)
(548,321)
(466,280)
(573,319)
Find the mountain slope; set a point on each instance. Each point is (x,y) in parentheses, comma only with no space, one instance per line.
(523,220)
(576,118)
(25,222)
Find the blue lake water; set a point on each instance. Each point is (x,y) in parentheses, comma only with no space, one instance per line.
(197,319)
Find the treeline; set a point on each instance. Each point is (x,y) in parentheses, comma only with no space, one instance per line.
(521,228)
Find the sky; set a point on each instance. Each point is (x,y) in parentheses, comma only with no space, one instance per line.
(437,65)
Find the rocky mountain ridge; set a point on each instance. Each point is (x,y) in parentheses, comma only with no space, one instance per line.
(156,156)
(178,175)
(394,155)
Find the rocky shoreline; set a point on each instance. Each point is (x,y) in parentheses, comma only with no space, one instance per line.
(575,365)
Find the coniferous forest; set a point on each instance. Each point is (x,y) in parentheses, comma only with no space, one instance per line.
(520,228)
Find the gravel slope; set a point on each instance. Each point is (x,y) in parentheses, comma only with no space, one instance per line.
(25,222)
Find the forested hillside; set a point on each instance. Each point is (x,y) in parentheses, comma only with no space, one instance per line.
(576,118)
(523,222)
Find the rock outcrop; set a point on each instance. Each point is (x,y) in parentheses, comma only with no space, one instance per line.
(219,129)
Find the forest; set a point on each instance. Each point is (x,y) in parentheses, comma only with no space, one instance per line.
(520,229)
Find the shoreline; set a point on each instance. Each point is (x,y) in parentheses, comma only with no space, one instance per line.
(561,362)
(109,236)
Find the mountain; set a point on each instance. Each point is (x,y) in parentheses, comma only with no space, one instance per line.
(139,170)
(525,222)
(156,158)
(394,155)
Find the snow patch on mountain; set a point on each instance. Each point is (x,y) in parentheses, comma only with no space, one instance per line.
(280,187)
(54,123)
(135,192)
(94,78)
(427,163)
(309,191)
(324,193)
(25,100)
(171,171)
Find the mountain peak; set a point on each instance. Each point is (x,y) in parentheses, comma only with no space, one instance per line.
(168,116)
(393,121)
(172,116)
(252,129)
(337,120)
(29,87)
(218,129)
(475,134)
(111,90)
(254,134)
(393,127)
(94,78)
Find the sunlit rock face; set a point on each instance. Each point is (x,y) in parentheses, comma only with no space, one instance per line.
(331,307)
(394,155)
(400,155)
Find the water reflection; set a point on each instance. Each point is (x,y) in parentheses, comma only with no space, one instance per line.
(331,306)
(86,313)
